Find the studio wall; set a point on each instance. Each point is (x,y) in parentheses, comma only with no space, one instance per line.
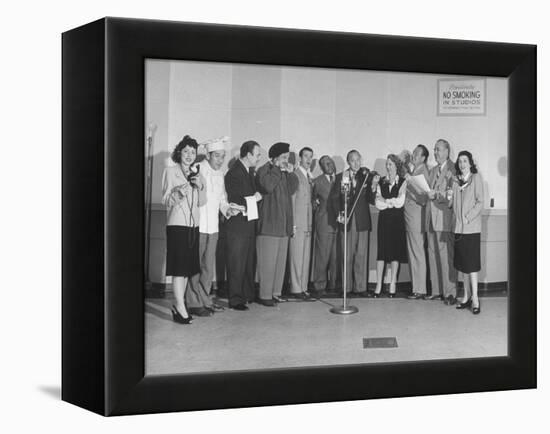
(331,111)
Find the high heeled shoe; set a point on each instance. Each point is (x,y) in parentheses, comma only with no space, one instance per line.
(464,305)
(477,310)
(178,318)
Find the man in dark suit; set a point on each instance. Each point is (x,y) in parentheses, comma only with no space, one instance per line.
(359,220)
(325,263)
(240,231)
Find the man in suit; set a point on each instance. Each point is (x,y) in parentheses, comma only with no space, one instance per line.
(415,224)
(439,226)
(359,220)
(240,231)
(300,242)
(325,263)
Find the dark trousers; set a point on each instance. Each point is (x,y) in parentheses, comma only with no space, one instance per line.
(240,268)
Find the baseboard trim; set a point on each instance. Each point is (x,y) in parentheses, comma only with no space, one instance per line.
(159,290)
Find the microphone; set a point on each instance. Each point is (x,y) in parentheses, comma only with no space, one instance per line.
(345,181)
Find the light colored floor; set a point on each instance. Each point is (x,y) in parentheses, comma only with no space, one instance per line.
(299,334)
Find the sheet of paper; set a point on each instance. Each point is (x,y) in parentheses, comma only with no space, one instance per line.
(419,183)
(251,208)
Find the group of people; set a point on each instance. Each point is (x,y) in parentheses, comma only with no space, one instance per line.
(279,210)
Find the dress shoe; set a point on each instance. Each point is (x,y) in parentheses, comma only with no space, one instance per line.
(178,318)
(476,310)
(279,299)
(304,296)
(376,294)
(318,293)
(391,295)
(200,311)
(416,296)
(269,303)
(464,305)
(216,307)
(240,306)
(450,300)
(434,297)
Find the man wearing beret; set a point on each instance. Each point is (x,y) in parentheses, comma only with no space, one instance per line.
(277,183)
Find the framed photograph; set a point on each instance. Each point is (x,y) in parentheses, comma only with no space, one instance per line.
(257,216)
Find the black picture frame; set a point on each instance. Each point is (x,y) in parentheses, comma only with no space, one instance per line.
(103,219)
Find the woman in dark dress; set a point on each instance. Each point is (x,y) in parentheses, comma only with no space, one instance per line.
(182,193)
(392,244)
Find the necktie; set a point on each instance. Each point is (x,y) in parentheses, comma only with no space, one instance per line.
(331,178)
(251,173)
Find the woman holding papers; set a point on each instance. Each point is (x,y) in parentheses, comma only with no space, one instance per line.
(466,199)
(415,219)
(390,198)
(182,193)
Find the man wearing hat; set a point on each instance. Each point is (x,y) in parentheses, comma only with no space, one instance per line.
(277,183)
(198,298)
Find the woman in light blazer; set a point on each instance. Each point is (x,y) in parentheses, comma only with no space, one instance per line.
(466,199)
(182,193)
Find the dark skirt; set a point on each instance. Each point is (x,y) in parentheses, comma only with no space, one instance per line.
(182,251)
(467,252)
(392,241)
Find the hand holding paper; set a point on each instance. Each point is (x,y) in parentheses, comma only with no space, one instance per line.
(419,183)
(251,208)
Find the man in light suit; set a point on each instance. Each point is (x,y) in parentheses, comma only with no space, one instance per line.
(300,242)
(325,263)
(439,226)
(415,224)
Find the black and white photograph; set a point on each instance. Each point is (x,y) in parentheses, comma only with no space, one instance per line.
(300,216)
(274,217)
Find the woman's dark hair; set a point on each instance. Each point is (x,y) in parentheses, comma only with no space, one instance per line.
(473,167)
(248,148)
(401,170)
(186,141)
(425,152)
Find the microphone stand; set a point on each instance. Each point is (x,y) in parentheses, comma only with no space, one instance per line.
(149,286)
(345,309)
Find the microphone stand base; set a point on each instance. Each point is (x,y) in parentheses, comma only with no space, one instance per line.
(344,310)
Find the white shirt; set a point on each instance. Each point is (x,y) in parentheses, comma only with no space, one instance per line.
(306,173)
(216,199)
(394,202)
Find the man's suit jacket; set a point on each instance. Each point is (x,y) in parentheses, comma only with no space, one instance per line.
(301,203)
(364,197)
(415,203)
(438,214)
(325,216)
(239,182)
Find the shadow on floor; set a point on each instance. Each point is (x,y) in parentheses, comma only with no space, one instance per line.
(162,314)
(51,391)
